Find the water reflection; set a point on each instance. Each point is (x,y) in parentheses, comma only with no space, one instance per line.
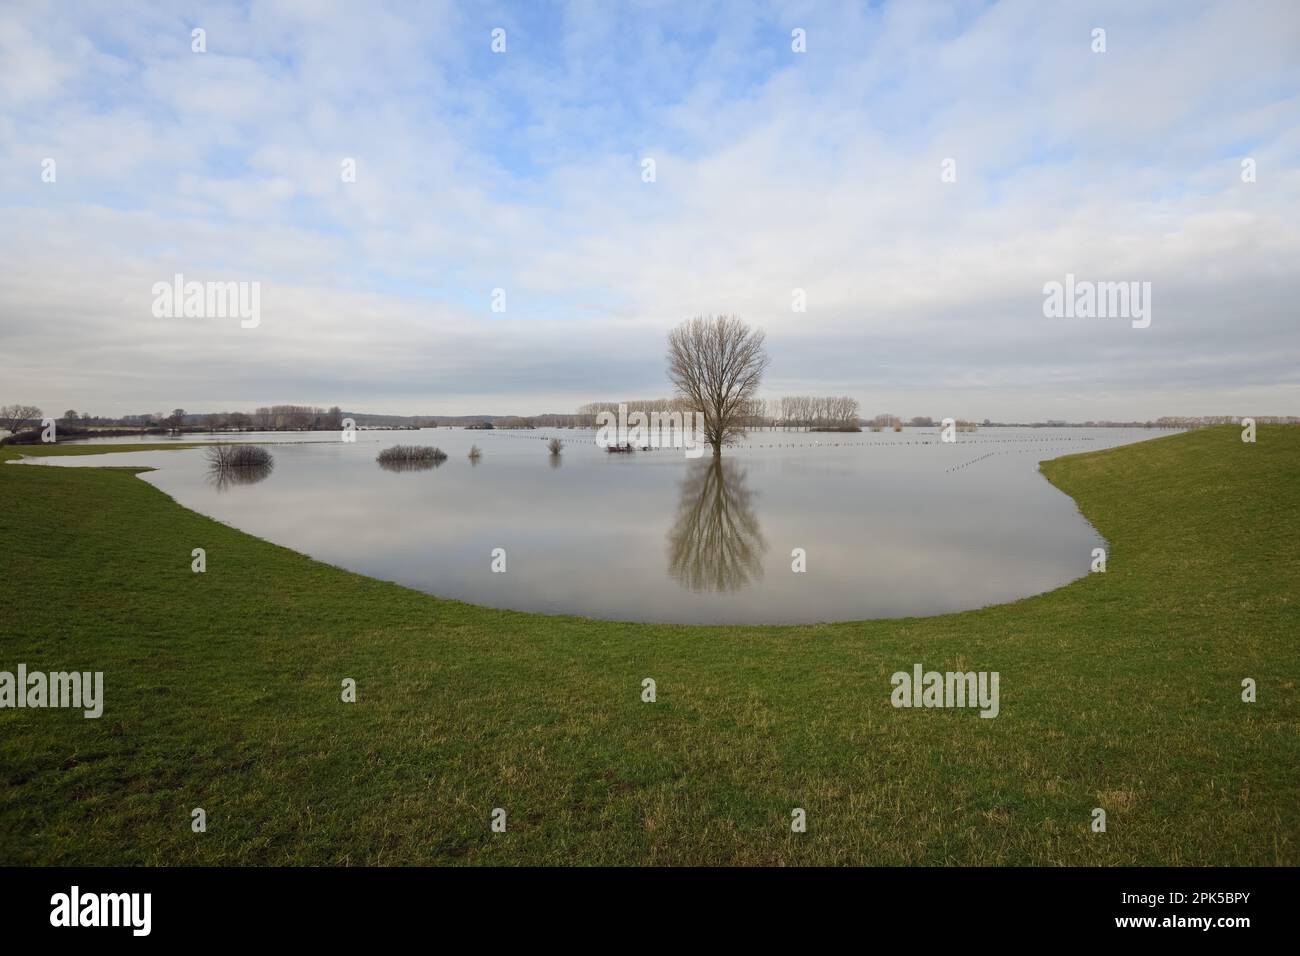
(410,464)
(993,530)
(224,477)
(715,543)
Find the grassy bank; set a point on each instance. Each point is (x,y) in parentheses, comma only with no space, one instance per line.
(1120,691)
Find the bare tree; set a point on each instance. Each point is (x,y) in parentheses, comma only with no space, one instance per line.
(717,363)
(14,417)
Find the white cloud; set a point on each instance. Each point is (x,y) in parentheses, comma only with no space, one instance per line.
(775,171)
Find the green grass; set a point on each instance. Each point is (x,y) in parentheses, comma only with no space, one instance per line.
(1121,690)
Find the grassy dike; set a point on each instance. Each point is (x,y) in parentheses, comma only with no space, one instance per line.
(1121,691)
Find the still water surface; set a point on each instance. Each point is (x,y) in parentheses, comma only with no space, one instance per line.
(892,524)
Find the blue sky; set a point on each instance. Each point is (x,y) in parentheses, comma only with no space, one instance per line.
(775,171)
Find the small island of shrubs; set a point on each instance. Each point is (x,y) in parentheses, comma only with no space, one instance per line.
(412,455)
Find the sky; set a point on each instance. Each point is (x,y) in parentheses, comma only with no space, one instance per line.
(920,171)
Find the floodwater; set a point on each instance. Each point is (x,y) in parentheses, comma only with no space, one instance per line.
(889,524)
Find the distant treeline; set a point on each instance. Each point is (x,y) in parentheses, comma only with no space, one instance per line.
(815,412)
(278,418)
(266,418)
(804,412)
(586,417)
(800,412)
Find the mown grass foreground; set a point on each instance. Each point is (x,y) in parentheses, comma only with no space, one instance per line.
(223,691)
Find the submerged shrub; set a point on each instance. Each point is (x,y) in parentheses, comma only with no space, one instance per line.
(411,454)
(474,453)
(238,456)
(230,465)
(555,446)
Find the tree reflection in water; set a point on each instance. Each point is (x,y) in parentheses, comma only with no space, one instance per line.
(715,543)
(418,464)
(223,478)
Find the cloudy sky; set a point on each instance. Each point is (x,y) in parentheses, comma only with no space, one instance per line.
(774,171)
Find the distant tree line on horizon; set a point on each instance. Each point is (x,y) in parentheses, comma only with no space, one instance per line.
(281,418)
(791,412)
(815,413)
(265,418)
(799,412)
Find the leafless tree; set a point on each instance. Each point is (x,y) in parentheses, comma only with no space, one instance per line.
(14,417)
(717,364)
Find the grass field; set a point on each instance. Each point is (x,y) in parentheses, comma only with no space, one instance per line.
(1120,691)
